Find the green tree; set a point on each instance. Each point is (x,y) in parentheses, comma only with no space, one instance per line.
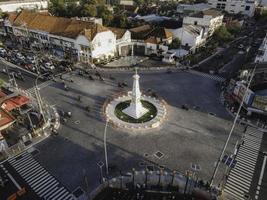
(72,9)
(93,2)
(89,10)
(234,28)
(57,8)
(175,43)
(104,13)
(3,15)
(222,35)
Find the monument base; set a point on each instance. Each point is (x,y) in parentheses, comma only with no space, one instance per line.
(135,111)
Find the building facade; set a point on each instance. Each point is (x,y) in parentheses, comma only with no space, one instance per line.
(191,36)
(262,52)
(210,19)
(68,38)
(245,7)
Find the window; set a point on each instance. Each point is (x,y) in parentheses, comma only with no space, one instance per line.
(99,44)
(195,23)
(110,40)
(233,5)
(247,8)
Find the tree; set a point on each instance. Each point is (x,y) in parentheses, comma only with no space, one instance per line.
(222,35)
(176,43)
(72,9)
(120,21)
(234,27)
(89,10)
(105,14)
(3,15)
(57,8)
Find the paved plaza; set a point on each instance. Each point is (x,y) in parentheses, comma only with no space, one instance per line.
(187,137)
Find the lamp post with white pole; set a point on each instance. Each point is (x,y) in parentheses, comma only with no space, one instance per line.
(38,96)
(105,146)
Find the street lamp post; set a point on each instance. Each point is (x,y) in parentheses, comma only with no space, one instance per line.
(105,146)
(232,128)
(38,96)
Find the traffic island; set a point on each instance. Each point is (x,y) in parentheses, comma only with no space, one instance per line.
(134,111)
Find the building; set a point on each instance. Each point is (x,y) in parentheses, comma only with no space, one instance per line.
(192,8)
(12,6)
(150,40)
(66,38)
(94,20)
(210,19)
(191,36)
(262,52)
(123,41)
(245,7)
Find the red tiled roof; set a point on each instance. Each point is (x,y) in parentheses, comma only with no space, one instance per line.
(15,102)
(2,94)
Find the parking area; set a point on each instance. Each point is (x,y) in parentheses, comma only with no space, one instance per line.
(36,62)
(189,137)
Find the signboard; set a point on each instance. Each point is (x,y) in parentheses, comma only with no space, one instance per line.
(240,91)
(260,102)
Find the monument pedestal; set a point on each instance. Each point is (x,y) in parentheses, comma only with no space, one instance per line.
(136,109)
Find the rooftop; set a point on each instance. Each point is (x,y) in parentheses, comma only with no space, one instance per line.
(60,26)
(147,32)
(210,12)
(119,32)
(14,102)
(194,7)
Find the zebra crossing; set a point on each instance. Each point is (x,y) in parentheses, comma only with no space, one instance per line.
(31,91)
(210,76)
(41,182)
(240,177)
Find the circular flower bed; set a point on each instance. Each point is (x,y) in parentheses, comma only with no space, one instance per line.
(152,112)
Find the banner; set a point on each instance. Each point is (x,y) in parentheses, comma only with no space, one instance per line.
(239,92)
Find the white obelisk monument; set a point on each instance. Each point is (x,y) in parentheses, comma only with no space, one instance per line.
(136,109)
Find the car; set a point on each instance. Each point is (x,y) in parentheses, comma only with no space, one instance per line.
(43,69)
(30,59)
(20,56)
(3,52)
(49,65)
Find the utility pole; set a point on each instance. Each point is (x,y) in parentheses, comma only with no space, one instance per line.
(232,129)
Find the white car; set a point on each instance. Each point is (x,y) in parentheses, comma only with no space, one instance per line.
(49,66)
(20,56)
(2,51)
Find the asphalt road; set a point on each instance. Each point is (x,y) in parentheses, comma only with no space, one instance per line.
(29,78)
(186,137)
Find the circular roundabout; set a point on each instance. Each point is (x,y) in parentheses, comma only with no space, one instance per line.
(153,118)
(135,111)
